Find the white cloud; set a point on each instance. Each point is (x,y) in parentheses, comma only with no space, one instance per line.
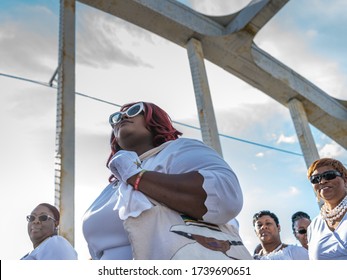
(260,155)
(331,150)
(218,7)
(291,46)
(103,40)
(286,139)
(293,190)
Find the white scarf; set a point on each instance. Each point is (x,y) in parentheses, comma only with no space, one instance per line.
(132,203)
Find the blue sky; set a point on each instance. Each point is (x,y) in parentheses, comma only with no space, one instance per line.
(120,63)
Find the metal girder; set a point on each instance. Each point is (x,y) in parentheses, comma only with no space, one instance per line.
(65,130)
(303,131)
(203,96)
(227,41)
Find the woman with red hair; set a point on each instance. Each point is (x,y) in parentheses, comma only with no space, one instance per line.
(149,161)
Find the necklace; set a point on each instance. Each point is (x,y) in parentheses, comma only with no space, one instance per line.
(330,216)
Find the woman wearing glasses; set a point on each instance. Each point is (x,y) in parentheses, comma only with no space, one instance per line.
(327,233)
(43,232)
(300,223)
(267,228)
(149,160)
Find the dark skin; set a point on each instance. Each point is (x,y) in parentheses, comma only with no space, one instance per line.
(180,192)
(302,223)
(331,191)
(268,233)
(38,231)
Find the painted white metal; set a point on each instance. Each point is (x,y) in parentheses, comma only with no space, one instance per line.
(65,133)
(303,131)
(203,98)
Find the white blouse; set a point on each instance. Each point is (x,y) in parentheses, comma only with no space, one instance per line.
(103,225)
(53,248)
(324,244)
(291,252)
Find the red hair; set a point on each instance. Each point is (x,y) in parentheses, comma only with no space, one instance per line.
(158,122)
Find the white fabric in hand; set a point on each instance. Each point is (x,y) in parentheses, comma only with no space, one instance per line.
(131,203)
(125,164)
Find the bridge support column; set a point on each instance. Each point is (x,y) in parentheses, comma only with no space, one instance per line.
(303,131)
(203,96)
(65,127)
(304,134)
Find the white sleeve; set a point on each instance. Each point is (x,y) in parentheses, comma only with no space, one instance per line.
(224,196)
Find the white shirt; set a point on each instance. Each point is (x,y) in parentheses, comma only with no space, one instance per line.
(291,252)
(324,244)
(53,248)
(102,225)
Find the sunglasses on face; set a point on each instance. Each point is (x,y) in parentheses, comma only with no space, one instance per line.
(301,231)
(42,218)
(328,175)
(131,112)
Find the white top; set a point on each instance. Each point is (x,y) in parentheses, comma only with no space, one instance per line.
(103,226)
(324,244)
(53,248)
(291,252)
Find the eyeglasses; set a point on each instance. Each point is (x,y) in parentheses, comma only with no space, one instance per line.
(301,231)
(131,112)
(42,218)
(328,175)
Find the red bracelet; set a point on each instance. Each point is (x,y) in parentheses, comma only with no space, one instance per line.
(138,179)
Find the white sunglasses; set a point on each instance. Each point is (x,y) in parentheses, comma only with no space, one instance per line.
(131,112)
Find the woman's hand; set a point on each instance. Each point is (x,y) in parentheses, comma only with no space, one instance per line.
(125,164)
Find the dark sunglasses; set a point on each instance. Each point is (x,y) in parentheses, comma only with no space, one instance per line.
(131,112)
(301,231)
(328,175)
(42,218)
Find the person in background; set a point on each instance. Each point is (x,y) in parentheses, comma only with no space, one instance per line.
(43,224)
(257,249)
(267,228)
(300,223)
(148,159)
(327,233)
